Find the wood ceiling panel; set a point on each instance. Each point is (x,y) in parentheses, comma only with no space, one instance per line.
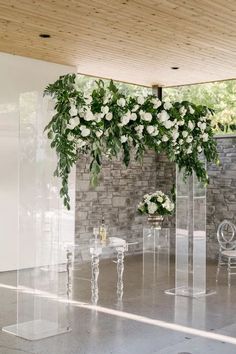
(129,40)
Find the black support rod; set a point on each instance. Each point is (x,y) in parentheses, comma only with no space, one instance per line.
(157,91)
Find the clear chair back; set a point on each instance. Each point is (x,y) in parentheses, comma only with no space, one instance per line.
(226,235)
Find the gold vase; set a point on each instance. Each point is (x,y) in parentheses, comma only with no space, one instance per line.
(155,220)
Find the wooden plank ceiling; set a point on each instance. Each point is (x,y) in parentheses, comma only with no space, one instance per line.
(128,40)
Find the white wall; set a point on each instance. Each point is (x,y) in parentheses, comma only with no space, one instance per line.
(20,79)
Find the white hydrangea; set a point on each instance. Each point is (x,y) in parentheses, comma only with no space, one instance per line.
(163,116)
(152,208)
(140,100)
(121,102)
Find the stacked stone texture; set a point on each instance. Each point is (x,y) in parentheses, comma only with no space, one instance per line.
(120,189)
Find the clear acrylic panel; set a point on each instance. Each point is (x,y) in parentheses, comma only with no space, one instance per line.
(42,225)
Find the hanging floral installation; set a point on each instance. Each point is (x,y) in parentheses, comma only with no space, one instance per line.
(106,122)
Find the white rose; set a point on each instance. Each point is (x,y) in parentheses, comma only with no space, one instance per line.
(133,116)
(88,98)
(99,133)
(156,132)
(185,133)
(189,139)
(147,117)
(104,109)
(123,139)
(163,116)
(98,117)
(140,100)
(175,135)
(191,125)
(199,149)
(150,129)
(80,143)
(168,124)
(165,138)
(152,207)
(125,120)
(109,116)
(73,111)
(203,126)
(167,105)
(70,137)
(89,115)
(181,141)
(139,129)
(156,102)
(180,122)
(159,199)
(121,102)
(84,131)
(189,150)
(205,137)
(71,125)
(191,110)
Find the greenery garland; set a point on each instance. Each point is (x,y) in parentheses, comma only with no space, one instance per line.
(107,122)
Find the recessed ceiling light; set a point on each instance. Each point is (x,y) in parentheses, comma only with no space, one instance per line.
(44,35)
(175,67)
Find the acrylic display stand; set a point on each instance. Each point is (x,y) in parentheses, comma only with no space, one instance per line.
(40,313)
(190,254)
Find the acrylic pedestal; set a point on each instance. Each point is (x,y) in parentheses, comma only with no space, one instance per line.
(190,251)
(40,285)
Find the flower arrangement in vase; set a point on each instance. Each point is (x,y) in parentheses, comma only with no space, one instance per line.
(156,205)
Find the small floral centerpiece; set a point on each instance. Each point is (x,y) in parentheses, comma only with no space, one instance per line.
(156,205)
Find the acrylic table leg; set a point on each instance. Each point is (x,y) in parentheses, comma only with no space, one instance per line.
(69,283)
(94,279)
(120,271)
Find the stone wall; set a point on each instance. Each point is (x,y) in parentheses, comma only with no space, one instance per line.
(117,195)
(120,190)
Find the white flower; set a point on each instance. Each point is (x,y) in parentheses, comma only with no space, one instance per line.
(73,111)
(191,125)
(121,102)
(146,116)
(152,207)
(156,132)
(99,133)
(189,139)
(199,149)
(185,133)
(182,111)
(167,105)
(123,139)
(80,143)
(84,131)
(89,115)
(159,199)
(191,110)
(180,122)
(109,116)
(189,150)
(175,135)
(88,98)
(205,137)
(139,129)
(203,126)
(150,129)
(181,142)
(70,137)
(168,124)
(125,120)
(135,108)
(156,102)
(133,116)
(140,100)
(163,116)
(104,109)
(165,138)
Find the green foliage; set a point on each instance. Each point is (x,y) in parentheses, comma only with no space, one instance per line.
(103,120)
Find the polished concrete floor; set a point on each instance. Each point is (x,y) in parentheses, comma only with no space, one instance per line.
(145,321)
